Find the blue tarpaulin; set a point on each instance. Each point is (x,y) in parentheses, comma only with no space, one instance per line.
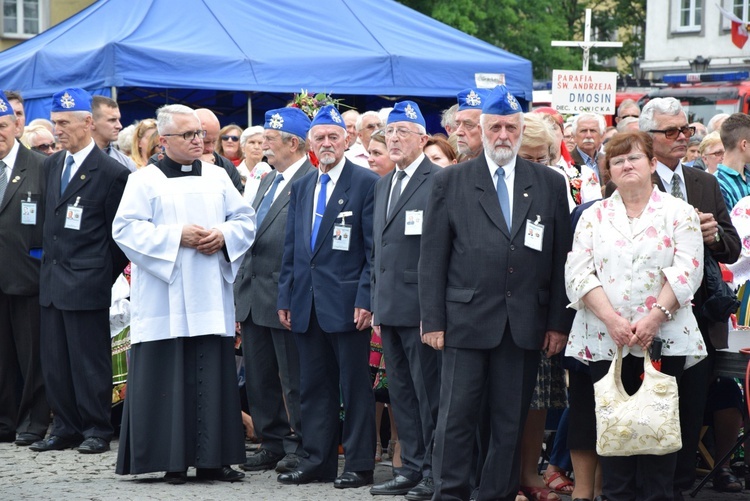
(359,47)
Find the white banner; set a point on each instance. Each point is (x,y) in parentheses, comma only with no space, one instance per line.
(584,91)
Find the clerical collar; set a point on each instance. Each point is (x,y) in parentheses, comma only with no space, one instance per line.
(171,164)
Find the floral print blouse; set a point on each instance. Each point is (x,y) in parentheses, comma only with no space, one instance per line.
(741,220)
(631,260)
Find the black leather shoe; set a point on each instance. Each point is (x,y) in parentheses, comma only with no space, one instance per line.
(223,474)
(175,477)
(296,477)
(54,443)
(93,445)
(288,463)
(394,487)
(261,460)
(353,479)
(27,438)
(424,490)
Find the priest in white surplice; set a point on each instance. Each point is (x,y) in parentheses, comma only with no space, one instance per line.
(185,228)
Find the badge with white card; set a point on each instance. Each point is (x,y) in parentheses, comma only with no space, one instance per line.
(28,213)
(341,237)
(74,215)
(534,234)
(413,225)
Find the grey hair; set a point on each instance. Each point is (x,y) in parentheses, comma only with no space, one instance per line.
(449,116)
(589,116)
(165,116)
(716,118)
(361,117)
(661,105)
(622,125)
(250,131)
(286,136)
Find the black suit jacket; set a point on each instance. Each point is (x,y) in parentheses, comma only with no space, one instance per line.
(704,194)
(257,284)
(79,266)
(476,277)
(20,275)
(394,276)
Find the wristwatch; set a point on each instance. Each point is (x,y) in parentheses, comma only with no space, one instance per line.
(717,237)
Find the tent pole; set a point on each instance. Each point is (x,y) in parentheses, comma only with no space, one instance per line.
(249,111)
(113,91)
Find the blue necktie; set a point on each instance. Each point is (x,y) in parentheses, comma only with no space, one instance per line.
(502,195)
(320,208)
(66,174)
(265,205)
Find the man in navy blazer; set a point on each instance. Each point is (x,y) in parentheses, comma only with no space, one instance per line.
(324,299)
(400,202)
(492,294)
(79,265)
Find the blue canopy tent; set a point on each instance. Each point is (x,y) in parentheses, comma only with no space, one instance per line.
(149,50)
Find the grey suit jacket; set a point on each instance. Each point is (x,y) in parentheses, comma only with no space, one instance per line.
(476,277)
(395,297)
(20,275)
(257,284)
(79,266)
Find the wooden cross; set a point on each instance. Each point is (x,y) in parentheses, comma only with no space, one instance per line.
(587,44)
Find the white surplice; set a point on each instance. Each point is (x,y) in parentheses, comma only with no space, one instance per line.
(177,291)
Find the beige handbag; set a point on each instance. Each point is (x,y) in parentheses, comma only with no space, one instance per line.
(647,422)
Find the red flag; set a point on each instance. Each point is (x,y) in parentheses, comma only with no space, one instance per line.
(739,28)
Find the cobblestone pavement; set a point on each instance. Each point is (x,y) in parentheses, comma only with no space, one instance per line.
(69,475)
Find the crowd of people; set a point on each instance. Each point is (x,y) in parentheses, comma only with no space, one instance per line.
(357,263)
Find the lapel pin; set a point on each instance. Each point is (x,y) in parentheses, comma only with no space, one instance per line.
(341,201)
(525,194)
(83,176)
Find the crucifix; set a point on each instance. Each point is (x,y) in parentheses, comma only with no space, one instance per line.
(587,44)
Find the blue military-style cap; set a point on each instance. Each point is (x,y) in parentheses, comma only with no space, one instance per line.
(5,107)
(328,115)
(501,102)
(406,111)
(71,99)
(291,120)
(472,99)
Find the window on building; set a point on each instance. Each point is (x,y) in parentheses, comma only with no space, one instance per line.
(22,18)
(687,15)
(740,8)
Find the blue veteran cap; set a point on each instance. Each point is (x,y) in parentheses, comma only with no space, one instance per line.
(5,107)
(472,99)
(501,102)
(291,120)
(72,99)
(406,111)
(328,115)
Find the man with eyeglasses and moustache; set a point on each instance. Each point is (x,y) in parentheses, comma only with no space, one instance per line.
(185,229)
(467,130)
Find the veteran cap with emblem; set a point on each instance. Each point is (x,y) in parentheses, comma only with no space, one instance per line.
(406,111)
(472,99)
(5,107)
(71,99)
(501,102)
(328,115)
(291,120)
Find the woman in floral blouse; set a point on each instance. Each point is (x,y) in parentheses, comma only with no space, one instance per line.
(637,260)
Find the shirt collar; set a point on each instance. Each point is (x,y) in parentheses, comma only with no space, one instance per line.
(412,167)
(666,174)
(81,155)
(10,158)
(508,168)
(335,172)
(290,171)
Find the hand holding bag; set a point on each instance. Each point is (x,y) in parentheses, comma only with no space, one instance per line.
(647,422)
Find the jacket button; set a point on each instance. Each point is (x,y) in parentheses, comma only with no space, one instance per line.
(312,265)
(510,270)
(252,276)
(311,289)
(507,293)
(512,247)
(54,237)
(57,213)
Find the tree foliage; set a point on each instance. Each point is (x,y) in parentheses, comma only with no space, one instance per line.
(527,27)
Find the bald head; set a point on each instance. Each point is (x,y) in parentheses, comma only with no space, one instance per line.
(211,125)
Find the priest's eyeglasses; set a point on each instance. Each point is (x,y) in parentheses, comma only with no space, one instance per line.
(189,135)
(401,132)
(674,132)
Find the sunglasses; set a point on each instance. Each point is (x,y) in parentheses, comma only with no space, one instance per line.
(46,146)
(674,132)
(234,139)
(630,116)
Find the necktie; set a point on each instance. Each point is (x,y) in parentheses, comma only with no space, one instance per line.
(3,180)
(320,208)
(676,188)
(395,193)
(66,174)
(502,195)
(265,204)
